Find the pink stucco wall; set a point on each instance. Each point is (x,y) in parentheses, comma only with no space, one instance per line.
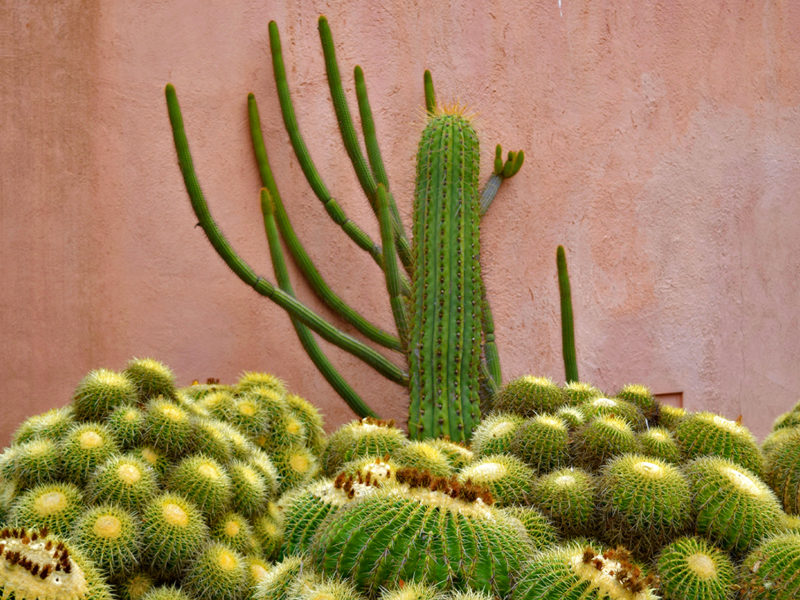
(663,145)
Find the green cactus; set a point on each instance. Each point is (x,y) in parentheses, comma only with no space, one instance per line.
(660,443)
(642,397)
(134,587)
(367,437)
(314,587)
(204,482)
(573,416)
(166,592)
(543,443)
(495,434)
(279,578)
(31,463)
(540,530)
(614,406)
(413,591)
(458,454)
(173,533)
(169,428)
(86,446)
(783,470)
(127,423)
(430,531)
(528,396)
(54,506)
(54,424)
(633,485)
(444,325)
(111,537)
(578,392)
(692,569)
(734,508)
(296,465)
(235,531)
(567,322)
(770,571)
(603,438)
(218,572)
(155,513)
(670,416)
(707,434)
(151,378)
(787,419)
(250,489)
(575,571)
(507,478)
(100,392)
(423,455)
(445,339)
(569,498)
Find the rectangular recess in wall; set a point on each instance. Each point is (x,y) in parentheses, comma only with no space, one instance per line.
(673,398)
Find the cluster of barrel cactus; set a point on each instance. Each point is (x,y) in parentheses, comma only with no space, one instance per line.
(139,490)
(142,483)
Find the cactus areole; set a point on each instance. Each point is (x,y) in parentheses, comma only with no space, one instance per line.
(445,332)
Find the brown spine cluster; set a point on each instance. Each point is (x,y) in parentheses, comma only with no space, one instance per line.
(628,574)
(467,491)
(57,550)
(345,482)
(378,422)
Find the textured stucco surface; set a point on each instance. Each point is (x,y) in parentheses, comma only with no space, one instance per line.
(663,144)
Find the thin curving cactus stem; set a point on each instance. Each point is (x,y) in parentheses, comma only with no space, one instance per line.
(246,273)
(332,376)
(567,325)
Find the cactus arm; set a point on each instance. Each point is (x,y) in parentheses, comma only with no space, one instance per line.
(343,117)
(567,324)
(430,94)
(329,372)
(376,163)
(390,262)
(355,233)
(246,273)
(318,284)
(502,171)
(492,357)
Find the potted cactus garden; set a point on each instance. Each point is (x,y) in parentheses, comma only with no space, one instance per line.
(526,489)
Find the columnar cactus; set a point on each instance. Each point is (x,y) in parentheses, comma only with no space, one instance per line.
(444,326)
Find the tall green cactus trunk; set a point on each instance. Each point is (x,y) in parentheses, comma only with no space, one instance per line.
(445,338)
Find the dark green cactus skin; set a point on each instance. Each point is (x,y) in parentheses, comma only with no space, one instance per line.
(389,536)
(567,322)
(445,339)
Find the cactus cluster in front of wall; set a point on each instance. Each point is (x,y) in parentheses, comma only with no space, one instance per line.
(140,490)
(146,491)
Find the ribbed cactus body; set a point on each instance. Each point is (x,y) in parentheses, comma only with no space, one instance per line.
(421,535)
(577,572)
(445,338)
(770,571)
(692,569)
